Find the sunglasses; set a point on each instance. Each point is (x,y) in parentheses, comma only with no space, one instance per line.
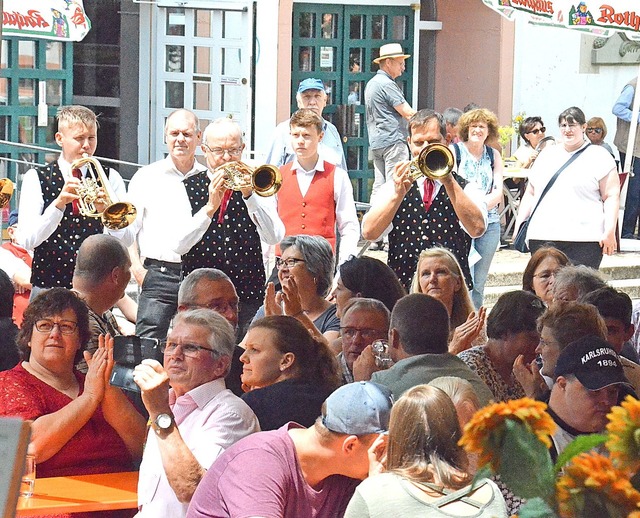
(594,130)
(536,131)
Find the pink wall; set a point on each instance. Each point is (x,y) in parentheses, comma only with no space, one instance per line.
(285,35)
(474,58)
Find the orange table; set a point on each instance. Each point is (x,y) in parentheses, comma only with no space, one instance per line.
(81,493)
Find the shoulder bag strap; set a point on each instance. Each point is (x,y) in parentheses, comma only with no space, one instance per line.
(555,177)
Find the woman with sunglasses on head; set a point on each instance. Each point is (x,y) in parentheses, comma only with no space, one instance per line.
(439,275)
(81,424)
(578,213)
(305,272)
(532,131)
(289,373)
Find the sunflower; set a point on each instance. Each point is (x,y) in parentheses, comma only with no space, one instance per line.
(486,426)
(624,434)
(591,481)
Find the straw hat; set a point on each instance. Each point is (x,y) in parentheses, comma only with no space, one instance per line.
(391,50)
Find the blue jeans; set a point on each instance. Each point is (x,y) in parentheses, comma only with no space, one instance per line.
(486,245)
(632,203)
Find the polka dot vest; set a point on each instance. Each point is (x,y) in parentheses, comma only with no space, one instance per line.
(415,230)
(233,246)
(55,259)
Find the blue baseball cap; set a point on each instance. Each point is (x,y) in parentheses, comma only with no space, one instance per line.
(13,218)
(310,84)
(359,408)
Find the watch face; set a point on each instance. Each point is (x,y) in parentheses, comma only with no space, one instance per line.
(163,421)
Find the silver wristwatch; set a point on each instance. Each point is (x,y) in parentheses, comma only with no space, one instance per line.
(163,422)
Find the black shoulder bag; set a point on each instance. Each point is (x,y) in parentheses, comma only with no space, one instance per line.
(520,241)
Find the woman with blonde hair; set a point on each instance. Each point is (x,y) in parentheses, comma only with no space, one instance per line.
(481,164)
(427,472)
(439,275)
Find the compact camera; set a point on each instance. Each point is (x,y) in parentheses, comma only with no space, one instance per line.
(381,352)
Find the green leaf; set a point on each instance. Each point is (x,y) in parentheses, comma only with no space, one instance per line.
(579,445)
(525,463)
(536,508)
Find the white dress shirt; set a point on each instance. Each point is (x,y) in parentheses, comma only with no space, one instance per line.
(346,216)
(12,265)
(220,420)
(158,193)
(263,212)
(38,222)
(472,190)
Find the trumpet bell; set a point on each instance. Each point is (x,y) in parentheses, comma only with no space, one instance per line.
(6,191)
(434,161)
(266,180)
(118,215)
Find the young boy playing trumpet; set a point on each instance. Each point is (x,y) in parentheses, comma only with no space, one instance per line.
(50,221)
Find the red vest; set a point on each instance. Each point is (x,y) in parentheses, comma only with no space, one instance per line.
(315,213)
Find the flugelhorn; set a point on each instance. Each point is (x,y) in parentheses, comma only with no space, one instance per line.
(6,191)
(435,161)
(118,214)
(265,179)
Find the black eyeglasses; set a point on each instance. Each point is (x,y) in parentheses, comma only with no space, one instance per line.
(538,130)
(66,327)
(190,350)
(594,130)
(288,263)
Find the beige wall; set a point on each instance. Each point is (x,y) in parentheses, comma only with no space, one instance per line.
(474,58)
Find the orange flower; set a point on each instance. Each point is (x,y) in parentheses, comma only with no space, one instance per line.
(485,428)
(624,434)
(592,475)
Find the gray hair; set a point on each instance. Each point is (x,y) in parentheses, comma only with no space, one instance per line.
(98,255)
(365,304)
(458,389)
(189,284)
(452,115)
(224,125)
(221,335)
(318,257)
(582,278)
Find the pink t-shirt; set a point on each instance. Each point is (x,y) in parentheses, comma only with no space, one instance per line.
(260,476)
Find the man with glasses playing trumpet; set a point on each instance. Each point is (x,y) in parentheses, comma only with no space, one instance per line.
(51,223)
(420,212)
(230,216)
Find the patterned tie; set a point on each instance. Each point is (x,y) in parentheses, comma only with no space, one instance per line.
(76,173)
(183,406)
(429,188)
(223,205)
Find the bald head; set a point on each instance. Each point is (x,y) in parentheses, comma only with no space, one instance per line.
(98,256)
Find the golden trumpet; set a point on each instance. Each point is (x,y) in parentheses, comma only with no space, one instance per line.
(435,161)
(6,191)
(265,179)
(118,214)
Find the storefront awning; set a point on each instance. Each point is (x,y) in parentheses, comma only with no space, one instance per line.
(63,20)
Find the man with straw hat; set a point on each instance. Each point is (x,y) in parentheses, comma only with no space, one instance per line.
(386,111)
